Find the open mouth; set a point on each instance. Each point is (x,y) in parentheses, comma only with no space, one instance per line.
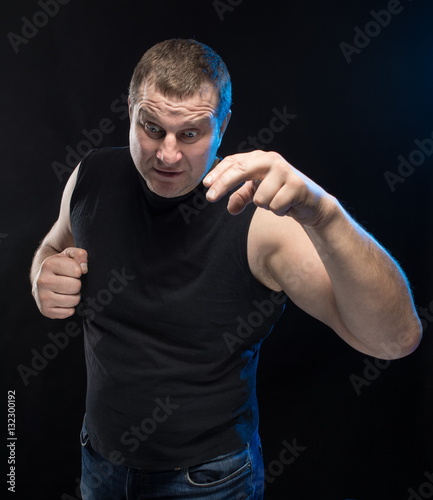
(168,174)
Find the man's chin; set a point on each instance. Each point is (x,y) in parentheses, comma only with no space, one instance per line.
(167,189)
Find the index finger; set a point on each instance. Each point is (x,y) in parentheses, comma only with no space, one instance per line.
(232,171)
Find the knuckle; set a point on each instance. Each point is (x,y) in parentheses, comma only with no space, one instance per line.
(281,163)
(43,280)
(76,301)
(77,286)
(274,155)
(232,158)
(49,263)
(80,252)
(297,183)
(75,271)
(260,201)
(236,159)
(273,206)
(70,267)
(224,178)
(277,209)
(65,313)
(235,169)
(239,166)
(43,298)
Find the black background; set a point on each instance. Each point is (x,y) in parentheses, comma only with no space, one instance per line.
(353,120)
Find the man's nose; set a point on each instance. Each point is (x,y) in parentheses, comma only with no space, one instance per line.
(169,152)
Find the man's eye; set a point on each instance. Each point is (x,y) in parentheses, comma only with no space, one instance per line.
(191,134)
(153,129)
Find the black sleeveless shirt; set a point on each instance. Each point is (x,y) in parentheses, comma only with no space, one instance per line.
(173,318)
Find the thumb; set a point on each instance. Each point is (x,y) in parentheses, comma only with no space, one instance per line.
(241,198)
(79,255)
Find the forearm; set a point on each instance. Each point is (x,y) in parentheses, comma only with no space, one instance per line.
(372,296)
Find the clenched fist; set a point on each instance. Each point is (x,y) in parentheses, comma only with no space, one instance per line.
(56,287)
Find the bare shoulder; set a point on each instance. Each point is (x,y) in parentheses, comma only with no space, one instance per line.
(60,235)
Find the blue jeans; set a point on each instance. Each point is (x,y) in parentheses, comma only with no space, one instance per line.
(235,476)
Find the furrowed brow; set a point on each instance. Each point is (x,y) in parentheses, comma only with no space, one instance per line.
(148,115)
(196,123)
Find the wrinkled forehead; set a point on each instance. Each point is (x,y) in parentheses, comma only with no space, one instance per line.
(206,97)
(202,104)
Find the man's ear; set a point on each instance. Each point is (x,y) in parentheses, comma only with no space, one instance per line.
(224,123)
(130,108)
(223,126)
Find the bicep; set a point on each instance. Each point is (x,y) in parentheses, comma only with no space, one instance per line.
(60,235)
(297,266)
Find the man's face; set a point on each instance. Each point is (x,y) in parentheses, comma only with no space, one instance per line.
(174,141)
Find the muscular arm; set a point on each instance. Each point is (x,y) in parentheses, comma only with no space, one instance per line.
(57,265)
(339,274)
(303,242)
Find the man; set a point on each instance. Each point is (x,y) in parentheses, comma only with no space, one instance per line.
(180,273)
